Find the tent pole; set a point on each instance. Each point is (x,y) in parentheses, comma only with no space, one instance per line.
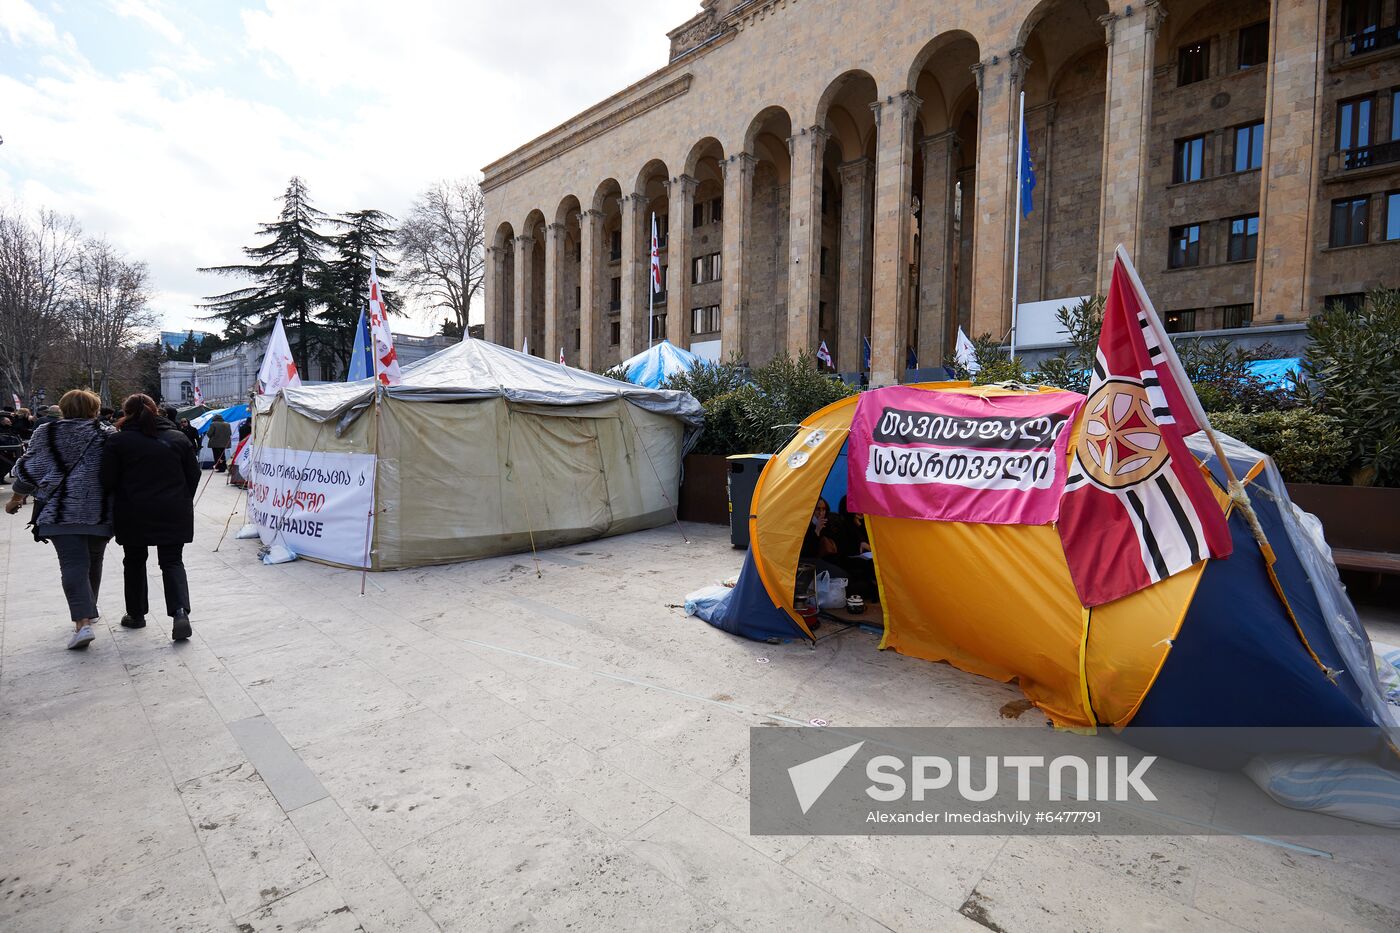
(373,494)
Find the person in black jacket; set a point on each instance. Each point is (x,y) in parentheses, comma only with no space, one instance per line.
(149,467)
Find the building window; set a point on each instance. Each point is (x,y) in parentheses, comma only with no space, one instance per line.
(1392,215)
(1189,164)
(578,296)
(658,325)
(1185,248)
(663,229)
(697,215)
(1354,123)
(697,270)
(1349,221)
(1232,316)
(186,392)
(1350,302)
(1361,19)
(1249,146)
(615,253)
(1193,63)
(660,297)
(615,333)
(822,322)
(716,270)
(716,210)
(615,294)
(704,320)
(1254,45)
(825,255)
(1180,322)
(1244,237)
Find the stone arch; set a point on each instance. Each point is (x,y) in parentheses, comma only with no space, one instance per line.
(707,148)
(530,317)
(1065,83)
(650,197)
(605,300)
(940,46)
(766,267)
(502,310)
(566,335)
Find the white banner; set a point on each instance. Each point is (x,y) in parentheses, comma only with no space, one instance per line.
(316,503)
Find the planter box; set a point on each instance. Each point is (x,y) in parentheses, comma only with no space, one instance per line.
(704,489)
(1362,518)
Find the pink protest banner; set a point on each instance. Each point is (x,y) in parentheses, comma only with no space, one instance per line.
(943,456)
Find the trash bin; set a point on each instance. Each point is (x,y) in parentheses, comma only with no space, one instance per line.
(744,470)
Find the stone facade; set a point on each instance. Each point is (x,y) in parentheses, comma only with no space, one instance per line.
(845,172)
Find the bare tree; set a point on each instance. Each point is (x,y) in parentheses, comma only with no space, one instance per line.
(109,311)
(37,261)
(443,244)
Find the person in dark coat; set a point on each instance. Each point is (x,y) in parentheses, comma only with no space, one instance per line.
(149,468)
(192,433)
(220,437)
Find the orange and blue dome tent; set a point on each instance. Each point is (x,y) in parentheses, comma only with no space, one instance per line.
(1214,645)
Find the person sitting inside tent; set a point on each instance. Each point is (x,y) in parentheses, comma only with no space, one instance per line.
(820,541)
(853,554)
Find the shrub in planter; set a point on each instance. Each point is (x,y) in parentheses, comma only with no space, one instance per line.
(758,416)
(1355,358)
(708,380)
(1307,446)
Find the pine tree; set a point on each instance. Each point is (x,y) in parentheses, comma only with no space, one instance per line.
(345,287)
(289,272)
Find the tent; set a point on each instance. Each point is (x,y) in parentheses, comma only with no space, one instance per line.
(1277,374)
(653,366)
(1210,646)
(481,450)
(234,415)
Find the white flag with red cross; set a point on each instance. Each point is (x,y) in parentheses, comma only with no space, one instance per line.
(824,355)
(386,361)
(655,259)
(1136,507)
(279,368)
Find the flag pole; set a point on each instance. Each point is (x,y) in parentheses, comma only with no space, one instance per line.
(651,283)
(1016,221)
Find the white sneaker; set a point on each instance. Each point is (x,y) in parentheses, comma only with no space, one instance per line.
(81,638)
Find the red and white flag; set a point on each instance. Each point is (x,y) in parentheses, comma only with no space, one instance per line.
(198,393)
(655,259)
(15,396)
(1136,507)
(561,357)
(824,355)
(386,361)
(279,368)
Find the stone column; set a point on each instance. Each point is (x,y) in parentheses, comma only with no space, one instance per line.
(524,297)
(633,207)
(678,257)
(738,215)
(854,280)
(494,294)
(1130,32)
(804,238)
(936,246)
(590,315)
(995,200)
(1291,171)
(894,173)
(553,283)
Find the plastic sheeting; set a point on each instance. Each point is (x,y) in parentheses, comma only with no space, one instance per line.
(655,365)
(478,369)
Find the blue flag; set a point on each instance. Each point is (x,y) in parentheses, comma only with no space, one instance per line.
(361,363)
(1027,172)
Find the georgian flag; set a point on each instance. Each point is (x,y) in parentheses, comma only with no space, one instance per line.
(386,361)
(15,396)
(279,368)
(655,259)
(1136,507)
(561,357)
(198,393)
(966,354)
(824,355)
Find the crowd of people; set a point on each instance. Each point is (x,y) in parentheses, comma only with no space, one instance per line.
(92,474)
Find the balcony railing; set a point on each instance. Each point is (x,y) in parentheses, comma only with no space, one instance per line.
(1366,156)
(1371,40)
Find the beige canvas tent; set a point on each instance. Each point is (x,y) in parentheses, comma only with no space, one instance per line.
(480,451)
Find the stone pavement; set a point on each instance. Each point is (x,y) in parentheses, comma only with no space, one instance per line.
(475,747)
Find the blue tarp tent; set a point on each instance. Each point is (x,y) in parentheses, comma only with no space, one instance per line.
(654,366)
(1277,374)
(233,415)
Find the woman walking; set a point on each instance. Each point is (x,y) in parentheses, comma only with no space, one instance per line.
(150,470)
(62,470)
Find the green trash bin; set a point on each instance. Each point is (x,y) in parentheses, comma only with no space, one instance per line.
(744,470)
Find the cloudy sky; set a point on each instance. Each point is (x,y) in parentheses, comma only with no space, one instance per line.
(171,126)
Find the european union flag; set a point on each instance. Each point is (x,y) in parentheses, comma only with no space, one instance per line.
(361,362)
(1027,172)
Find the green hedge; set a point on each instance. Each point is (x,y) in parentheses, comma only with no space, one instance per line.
(1307,446)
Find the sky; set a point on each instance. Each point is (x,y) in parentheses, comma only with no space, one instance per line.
(172,126)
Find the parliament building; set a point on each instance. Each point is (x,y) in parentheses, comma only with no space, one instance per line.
(845,171)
